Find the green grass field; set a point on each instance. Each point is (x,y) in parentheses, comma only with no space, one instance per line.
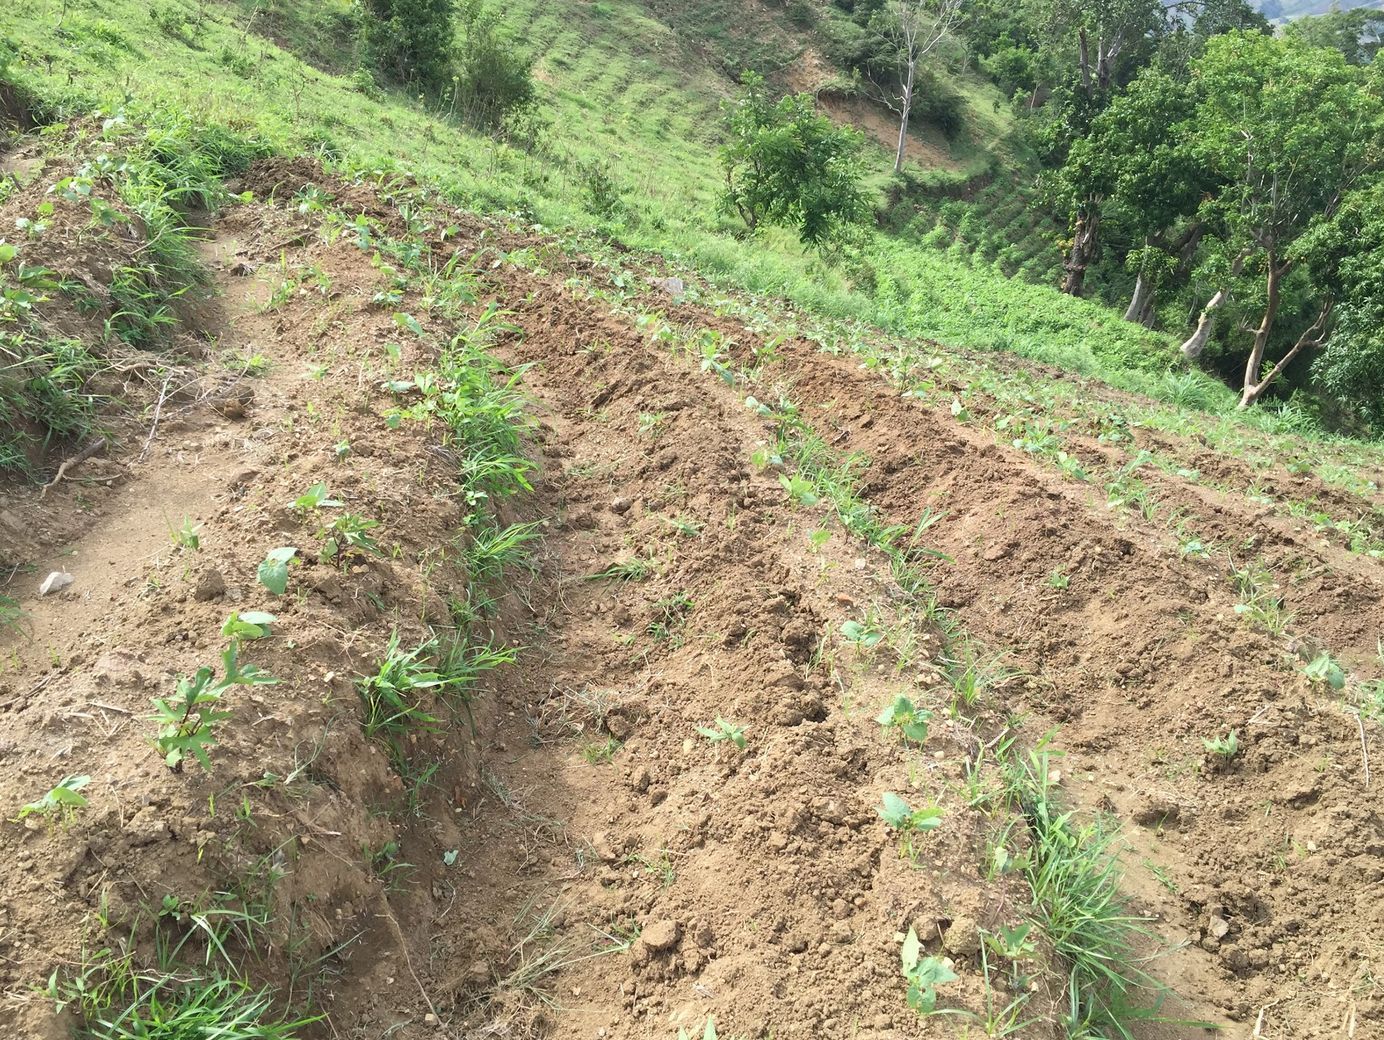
(622,93)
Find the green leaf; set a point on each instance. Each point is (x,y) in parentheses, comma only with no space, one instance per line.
(273,572)
(911,951)
(894,810)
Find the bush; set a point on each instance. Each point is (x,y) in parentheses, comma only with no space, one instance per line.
(410,41)
(493,84)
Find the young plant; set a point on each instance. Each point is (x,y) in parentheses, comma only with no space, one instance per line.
(862,635)
(188,721)
(636,569)
(1325,671)
(349,535)
(910,721)
(723,731)
(273,571)
(315,497)
(1223,747)
(60,804)
(188,536)
(901,816)
(708,1034)
(924,975)
(252,624)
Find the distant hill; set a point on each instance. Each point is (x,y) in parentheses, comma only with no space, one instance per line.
(1283,10)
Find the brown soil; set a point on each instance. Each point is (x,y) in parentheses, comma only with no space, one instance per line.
(585,864)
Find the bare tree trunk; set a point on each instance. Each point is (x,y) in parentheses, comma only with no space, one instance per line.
(1313,336)
(1196,342)
(1083,251)
(1141,301)
(1253,385)
(907,109)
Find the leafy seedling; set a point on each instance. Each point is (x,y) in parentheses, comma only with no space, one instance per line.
(189,536)
(252,624)
(708,1034)
(898,814)
(61,803)
(1012,943)
(315,497)
(722,731)
(1225,748)
(349,535)
(924,975)
(187,722)
(273,572)
(909,720)
(800,490)
(1325,670)
(863,636)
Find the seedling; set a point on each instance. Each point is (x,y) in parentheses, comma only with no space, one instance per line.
(1059,581)
(708,1034)
(1012,944)
(187,722)
(349,535)
(60,804)
(253,624)
(910,721)
(800,490)
(273,571)
(865,636)
(722,731)
(1323,669)
(315,497)
(901,816)
(924,975)
(188,536)
(1225,748)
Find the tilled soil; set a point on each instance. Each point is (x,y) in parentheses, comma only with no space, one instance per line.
(586,863)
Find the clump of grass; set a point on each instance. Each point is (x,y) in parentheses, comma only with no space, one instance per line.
(1074,876)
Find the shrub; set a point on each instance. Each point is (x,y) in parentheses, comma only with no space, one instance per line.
(493,83)
(410,41)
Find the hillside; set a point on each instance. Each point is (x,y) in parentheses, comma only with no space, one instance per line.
(498,598)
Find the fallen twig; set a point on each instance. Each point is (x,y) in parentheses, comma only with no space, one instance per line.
(91,449)
(1364,748)
(158,410)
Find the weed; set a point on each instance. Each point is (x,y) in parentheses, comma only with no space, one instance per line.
(1059,581)
(910,721)
(1073,874)
(599,754)
(636,569)
(386,864)
(187,722)
(60,804)
(10,612)
(1257,604)
(723,731)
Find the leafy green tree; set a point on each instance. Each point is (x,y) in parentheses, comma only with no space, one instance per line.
(1290,130)
(1358,34)
(1346,257)
(410,41)
(788,166)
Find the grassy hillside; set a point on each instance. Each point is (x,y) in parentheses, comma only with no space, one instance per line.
(631,107)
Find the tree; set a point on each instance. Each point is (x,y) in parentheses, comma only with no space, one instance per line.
(410,41)
(1289,129)
(788,166)
(913,30)
(1358,34)
(493,80)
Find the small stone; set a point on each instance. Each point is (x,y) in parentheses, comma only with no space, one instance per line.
(962,937)
(841,933)
(660,936)
(55,582)
(211,585)
(430,1019)
(620,505)
(1218,928)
